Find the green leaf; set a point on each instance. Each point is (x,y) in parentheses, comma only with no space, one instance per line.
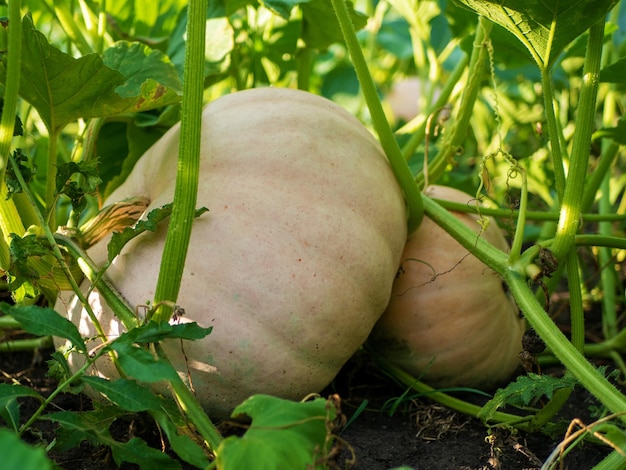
(141,68)
(140,364)
(617,133)
(545,27)
(614,73)
(17,455)
(45,322)
(220,41)
(153,331)
(283,7)
(283,434)
(127,394)
(320,27)
(9,407)
(178,435)
(146,18)
(524,391)
(77,189)
(120,239)
(10,392)
(138,452)
(91,426)
(63,88)
(27,171)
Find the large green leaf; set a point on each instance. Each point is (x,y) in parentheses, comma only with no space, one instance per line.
(129,77)
(17,455)
(545,27)
(283,434)
(146,19)
(320,27)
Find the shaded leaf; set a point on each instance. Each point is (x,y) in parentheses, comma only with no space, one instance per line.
(524,391)
(146,19)
(178,435)
(617,133)
(127,394)
(120,239)
(138,452)
(90,426)
(614,73)
(44,322)
(10,392)
(153,331)
(140,364)
(17,455)
(320,28)
(545,27)
(9,407)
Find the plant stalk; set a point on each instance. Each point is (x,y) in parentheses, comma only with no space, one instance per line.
(388,141)
(457,133)
(571,204)
(188,170)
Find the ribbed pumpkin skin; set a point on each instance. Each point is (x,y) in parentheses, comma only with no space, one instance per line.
(294,262)
(458,328)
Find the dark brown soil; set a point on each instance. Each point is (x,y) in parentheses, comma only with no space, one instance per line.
(419,435)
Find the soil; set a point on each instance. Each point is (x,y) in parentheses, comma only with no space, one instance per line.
(419,434)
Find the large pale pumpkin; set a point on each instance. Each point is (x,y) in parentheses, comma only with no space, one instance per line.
(294,262)
(450,321)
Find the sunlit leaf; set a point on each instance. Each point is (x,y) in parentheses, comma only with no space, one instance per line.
(545,27)
(283,434)
(132,77)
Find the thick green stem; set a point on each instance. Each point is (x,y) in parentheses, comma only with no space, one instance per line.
(12,84)
(190,406)
(561,347)
(112,297)
(188,171)
(554,132)
(10,221)
(443,398)
(571,206)
(385,134)
(456,135)
(418,135)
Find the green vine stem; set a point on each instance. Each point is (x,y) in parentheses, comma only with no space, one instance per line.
(188,171)
(443,398)
(112,297)
(560,346)
(518,237)
(12,85)
(10,221)
(56,251)
(188,403)
(456,135)
(530,215)
(554,131)
(381,126)
(418,135)
(571,204)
